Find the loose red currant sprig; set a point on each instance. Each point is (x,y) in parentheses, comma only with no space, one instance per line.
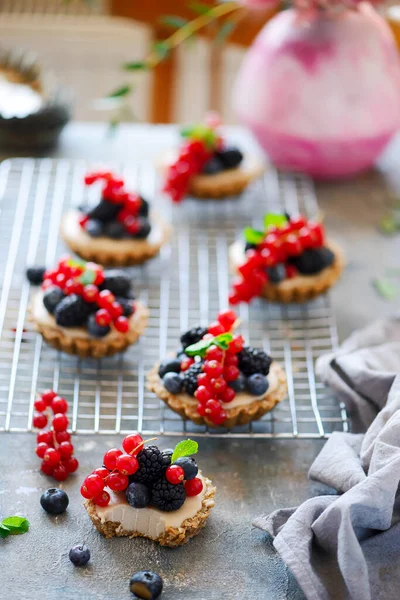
(192,157)
(54,446)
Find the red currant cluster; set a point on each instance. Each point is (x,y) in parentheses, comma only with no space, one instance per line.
(113,191)
(83,279)
(278,245)
(54,446)
(115,473)
(192,157)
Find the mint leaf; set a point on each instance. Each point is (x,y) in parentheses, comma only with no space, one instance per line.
(222,340)
(87,277)
(252,236)
(386,289)
(201,347)
(4,531)
(274,220)
(184,448)
(13,526)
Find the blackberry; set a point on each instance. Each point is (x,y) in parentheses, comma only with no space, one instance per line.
(190,378)
(313,260)
(72,311)
(104,211)
(213,166)
(193,336)
(168,496)
(144,229)
(52,297)
(94,227)
(253,361)
(167,456)
(144,208)
(114,230)
(230,157)
(127,306)
(151,465)
(35,275)
(117,281)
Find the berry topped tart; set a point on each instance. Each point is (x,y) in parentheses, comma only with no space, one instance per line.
(205,166)
(119,230)
(157,494)
(216,380)
(289,261)
(82,309)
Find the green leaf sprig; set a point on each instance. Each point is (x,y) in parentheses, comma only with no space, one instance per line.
(13,526)
(184,448)
(274,220)
(200,348)
(254,236)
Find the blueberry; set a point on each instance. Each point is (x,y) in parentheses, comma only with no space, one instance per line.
(52,297)
(138,495)
(114,230)
(54,501)
(79,555)
(189,466)
(96,330)
(257,384)
(230,157)
(277,274)
(146,584)
(169,365)
(239,384)
(35,275)
(213,166)
(173,383)
(94,228)
(104,211)
(144,228)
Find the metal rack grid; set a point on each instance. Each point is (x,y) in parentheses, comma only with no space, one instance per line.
(185,286)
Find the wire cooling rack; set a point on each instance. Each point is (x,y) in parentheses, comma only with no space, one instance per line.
(185,286)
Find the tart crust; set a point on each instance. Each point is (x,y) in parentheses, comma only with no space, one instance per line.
(172,536)
(301,288)
(238,415)
(85,346)
(107,251)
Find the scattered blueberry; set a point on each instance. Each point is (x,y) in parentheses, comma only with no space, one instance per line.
(173,383)
(213,166)
(146,585)
(114,230)
(230,157)
(79,555)
(277,273)
(239,384)
(257,384)
(138,495)
(52,297)
(94,228)
(169,365)
(54,501)
(96,330)
(189,466)
(35,275)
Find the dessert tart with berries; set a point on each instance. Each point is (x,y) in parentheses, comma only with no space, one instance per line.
(156,494)
(216,380)
(82,309)
(119,230)
(290,260)
(205,166)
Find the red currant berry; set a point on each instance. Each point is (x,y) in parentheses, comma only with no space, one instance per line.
(219,386)
(121,324)
(228,395)
(213,407)
(117,482)
(85,493)
(203,394)
(175,474)
(317,234)
(102,499)
(66,449)
(100,277)
(90,293)
(60,473)
(48,396)
(93,485)
(231,373)
(186,363)
(214,353)
(291,271)
(62,436)
(71,464)
(292,246)
(116,310)
(227,318)
(46,284)
(231,359)
(305,238)
(219,418)
(203,379)
(52,457)
(234,299)
(83,220)
(110,458)
(213,368)
(103,317)
(60,422)
(40,421)
(127,464)
(201,409)
(193,486)
(216,328)
(105,298)
(132,203)
(59,405)
(133,444)
(236,345)
(40,405)
(298,222)
(41,449)
(46,468)
(45,437)
(101,472)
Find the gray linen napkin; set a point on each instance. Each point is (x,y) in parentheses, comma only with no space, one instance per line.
(347,545)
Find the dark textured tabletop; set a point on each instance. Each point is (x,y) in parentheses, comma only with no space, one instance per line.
(229,559)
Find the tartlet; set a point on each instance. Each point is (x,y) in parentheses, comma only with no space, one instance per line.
(159,495)
(119,230)
(82,309)
(205,166)
(216,380)
(290,261)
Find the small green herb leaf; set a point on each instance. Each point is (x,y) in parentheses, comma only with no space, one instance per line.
(387,289)
(87,277)
(13,526)
(173,21)
(4,531)
(222,340)
(275,220)
(252,236)
(120,92)
(161,49)
(201,347)
(184,448)
(135,66)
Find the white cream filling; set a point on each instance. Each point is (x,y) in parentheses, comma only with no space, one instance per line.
(148,521)
(41,315)
(72,230)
